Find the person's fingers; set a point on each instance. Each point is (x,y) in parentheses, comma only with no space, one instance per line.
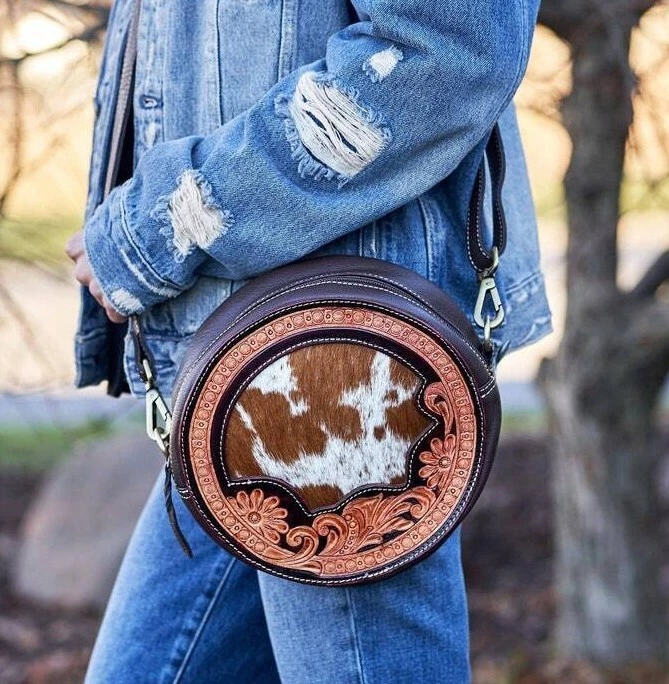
(82,271)
(75,246)
(113,315)
(94,289)
(84,274)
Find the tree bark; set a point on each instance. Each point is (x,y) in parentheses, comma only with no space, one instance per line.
(603,385)
(610,608)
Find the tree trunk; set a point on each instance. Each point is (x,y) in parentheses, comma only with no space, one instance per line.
(601,390)
(610,608)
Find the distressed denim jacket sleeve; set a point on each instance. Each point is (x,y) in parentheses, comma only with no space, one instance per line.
(397,102)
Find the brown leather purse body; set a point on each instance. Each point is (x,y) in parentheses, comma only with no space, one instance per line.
(334,420)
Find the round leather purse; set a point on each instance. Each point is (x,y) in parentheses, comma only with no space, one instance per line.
(335,419)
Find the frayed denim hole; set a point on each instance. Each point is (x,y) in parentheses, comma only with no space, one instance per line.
(189,217)
(331,135)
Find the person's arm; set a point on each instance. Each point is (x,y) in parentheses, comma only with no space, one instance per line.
(397,102)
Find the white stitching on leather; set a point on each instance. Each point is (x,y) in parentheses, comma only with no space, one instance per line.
(425,308)
(249,309)
(479,214)
(453,351)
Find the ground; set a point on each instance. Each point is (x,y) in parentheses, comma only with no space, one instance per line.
(507,554)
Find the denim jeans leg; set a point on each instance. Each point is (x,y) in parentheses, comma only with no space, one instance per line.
(172,619)
(412,627)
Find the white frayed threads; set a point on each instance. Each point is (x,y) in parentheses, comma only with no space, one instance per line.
(151,134)
(382,64)
(333,128)
(194,221)
(125,302)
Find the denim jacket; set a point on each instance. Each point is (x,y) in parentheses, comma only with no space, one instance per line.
(269,130)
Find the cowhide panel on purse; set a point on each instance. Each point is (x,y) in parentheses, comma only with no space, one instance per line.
(327,419)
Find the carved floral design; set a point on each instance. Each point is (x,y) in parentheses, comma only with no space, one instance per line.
(436,400)
(262,513)
(438,461)
(364,526)
(365,522)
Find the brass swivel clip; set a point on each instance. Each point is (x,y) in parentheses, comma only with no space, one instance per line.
(488,292)
(158,416)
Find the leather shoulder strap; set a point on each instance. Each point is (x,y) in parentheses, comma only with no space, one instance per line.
(122,109)
(483,258)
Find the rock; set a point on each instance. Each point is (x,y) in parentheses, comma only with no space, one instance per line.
(19,636)
(57,668)
(76,530)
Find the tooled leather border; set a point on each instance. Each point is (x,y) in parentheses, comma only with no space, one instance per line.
(397,525)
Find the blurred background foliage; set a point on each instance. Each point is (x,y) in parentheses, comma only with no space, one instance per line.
(594,114)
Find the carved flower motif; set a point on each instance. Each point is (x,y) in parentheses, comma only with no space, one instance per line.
(437,461)
(263,514)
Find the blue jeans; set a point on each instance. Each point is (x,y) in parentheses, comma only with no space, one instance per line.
(214,619)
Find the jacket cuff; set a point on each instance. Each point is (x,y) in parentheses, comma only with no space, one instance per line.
(126,279)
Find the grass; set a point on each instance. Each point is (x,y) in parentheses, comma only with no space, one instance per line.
(523,422)
(37,240)
(38,448)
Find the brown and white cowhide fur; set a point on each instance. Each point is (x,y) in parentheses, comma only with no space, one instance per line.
(327,419)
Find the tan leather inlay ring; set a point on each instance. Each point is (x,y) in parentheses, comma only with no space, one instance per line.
(370,533)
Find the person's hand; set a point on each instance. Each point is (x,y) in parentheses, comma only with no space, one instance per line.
(83,273)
